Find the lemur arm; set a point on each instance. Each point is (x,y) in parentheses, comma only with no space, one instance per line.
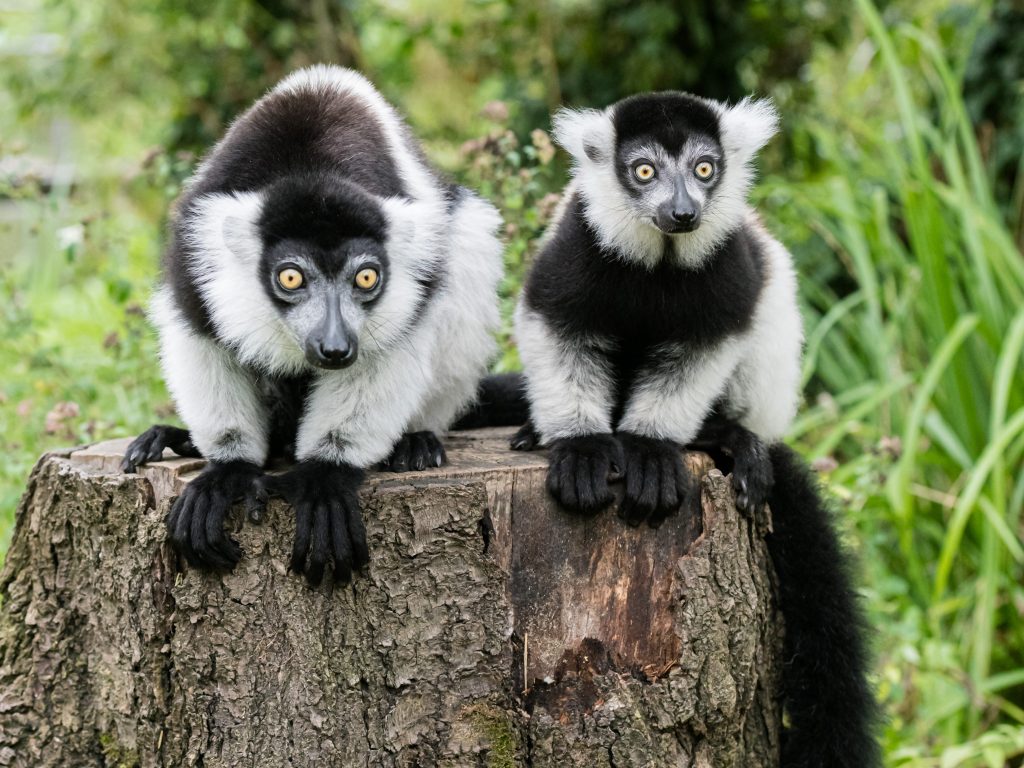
(570,390)
(353,419)
(568,381)
(219,401)
(665,410)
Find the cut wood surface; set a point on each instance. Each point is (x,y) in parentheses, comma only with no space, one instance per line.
(491,628)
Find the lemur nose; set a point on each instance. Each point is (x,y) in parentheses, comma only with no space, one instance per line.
(335,354)
(686,216)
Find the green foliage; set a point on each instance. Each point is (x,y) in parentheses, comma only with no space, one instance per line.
(897,184)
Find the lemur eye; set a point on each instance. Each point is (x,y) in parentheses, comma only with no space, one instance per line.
(367,278)
(644,171)
(290,279)
(704,170)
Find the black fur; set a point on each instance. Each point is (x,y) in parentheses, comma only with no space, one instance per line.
(149,446)
(667,117)
(830,706)
(328,522)
(416,451)
(501,402)
(657,482)
(581,289)
(195,523)
(578,472)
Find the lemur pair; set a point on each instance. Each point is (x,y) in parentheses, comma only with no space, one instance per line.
(327,297)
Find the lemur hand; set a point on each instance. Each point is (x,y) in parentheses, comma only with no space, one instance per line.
(149,446)
(328,522)
(578,471)
(657,482)
(415,451)
(196,521)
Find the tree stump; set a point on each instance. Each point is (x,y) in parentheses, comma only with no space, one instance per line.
(490,629)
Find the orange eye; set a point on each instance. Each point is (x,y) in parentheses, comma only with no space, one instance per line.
(290,279)
(644,172)
(367,278)
(704,170)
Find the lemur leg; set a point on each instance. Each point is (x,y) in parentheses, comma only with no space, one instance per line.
(663,413)
(752,476)
(150,445)
(570,392)
(353,419)
(220,403)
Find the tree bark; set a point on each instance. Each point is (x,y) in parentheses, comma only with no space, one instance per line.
(490,629)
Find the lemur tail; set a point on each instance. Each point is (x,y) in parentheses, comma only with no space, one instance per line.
(501,402)
(832,711)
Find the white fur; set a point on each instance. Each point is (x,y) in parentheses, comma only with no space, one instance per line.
(764,391)
(224,246)
(214,395)
(568,381)
(672,401)
(464,316)
(745,128)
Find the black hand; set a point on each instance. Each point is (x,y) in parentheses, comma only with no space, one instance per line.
(328,521)
(526,439)
(195,523)
(657,482)
(578,472)
(416,451)
(149,446)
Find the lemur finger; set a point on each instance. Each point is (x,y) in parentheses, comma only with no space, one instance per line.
(341,545)
(435,450)
(631,509)
(567,482)
(204,518)
(257,496)
(582,481)
(418,450)
(303,533)
(318,551)
(525,439)
(225,549)
(599,469)
(356,532)
(400,456)
(182,526)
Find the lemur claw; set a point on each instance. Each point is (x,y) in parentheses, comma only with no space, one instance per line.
(578,472)
(416,451)
(752,476)
(149,446)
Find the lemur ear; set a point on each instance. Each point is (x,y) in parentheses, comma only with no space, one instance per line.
(226,223)
(747,126)
(586,134)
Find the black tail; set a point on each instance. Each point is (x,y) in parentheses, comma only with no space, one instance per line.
(831,708)
(501,402)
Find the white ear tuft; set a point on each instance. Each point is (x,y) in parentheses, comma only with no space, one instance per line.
(747,126)
(585,133)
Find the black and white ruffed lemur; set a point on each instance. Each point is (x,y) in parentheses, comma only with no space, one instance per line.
(660,314)
(326,297)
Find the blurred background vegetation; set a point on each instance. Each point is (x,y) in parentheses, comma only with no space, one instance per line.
(898,183)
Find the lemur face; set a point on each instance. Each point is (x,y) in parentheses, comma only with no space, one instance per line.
(668,158)
(325,296)
(323,265)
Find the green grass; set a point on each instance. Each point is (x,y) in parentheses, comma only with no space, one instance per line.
(914,298)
